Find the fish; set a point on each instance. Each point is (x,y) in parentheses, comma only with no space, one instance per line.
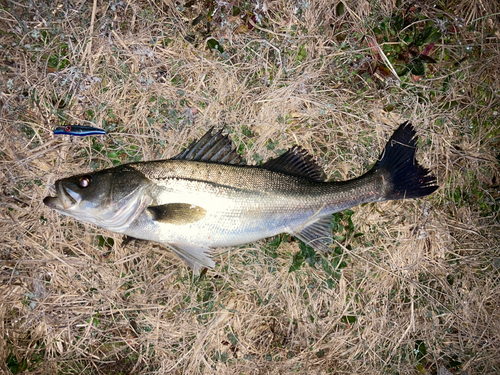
(79,130)
(206,197)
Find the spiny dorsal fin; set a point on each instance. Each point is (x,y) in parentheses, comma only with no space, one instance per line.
(297,162)
(215,148)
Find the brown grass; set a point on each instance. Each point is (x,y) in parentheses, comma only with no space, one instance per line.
(424,274)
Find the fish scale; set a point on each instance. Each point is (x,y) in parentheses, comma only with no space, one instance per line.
(197,200)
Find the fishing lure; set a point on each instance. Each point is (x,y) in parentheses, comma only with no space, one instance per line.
(78,130)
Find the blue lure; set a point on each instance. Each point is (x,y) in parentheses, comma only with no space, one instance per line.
(78,130)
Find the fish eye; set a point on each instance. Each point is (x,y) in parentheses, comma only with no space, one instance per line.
(84,181)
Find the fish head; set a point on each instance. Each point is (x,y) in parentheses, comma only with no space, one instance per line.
(111,198)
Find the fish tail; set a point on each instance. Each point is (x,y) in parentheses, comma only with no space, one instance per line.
(408,179)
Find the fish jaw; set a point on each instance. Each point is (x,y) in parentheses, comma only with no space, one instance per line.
(53,202)
(65,198)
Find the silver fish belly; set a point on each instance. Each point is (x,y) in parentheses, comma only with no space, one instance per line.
(205,197)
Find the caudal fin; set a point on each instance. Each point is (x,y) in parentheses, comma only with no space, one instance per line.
(409,180)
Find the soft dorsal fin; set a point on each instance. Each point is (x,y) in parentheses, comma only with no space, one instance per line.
(215,148)
(297,162)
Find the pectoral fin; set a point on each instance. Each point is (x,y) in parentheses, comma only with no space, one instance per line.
(317,235)
(177,213)
(195,256)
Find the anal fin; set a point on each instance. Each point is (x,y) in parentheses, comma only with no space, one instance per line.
(318,235)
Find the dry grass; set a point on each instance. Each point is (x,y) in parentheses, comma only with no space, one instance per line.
(419,291)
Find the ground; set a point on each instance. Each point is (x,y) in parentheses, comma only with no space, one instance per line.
(411,287)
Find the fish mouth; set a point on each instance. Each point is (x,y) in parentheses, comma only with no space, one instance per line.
(63,200)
